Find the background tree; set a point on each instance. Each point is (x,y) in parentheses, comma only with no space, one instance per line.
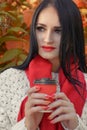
(15,20)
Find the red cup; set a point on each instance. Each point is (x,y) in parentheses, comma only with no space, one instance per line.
(47,86)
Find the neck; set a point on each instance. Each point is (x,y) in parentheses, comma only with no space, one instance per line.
(55,64)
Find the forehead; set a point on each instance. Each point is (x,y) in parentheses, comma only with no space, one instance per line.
(49,16)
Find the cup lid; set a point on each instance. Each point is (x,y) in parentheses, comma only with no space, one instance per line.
(45,81)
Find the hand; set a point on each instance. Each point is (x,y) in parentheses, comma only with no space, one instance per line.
(63,111)
(33,116)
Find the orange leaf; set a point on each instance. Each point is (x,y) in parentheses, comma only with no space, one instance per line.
(27,14)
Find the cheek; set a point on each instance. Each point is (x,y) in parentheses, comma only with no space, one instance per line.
(57,38)
(39,38)
(57,41)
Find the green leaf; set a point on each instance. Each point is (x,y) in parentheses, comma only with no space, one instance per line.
(7,14)
(10,38)
(18,18)
(22,56)
(16,29)
(3,5)
(19,62)
(10,55)
(5,66)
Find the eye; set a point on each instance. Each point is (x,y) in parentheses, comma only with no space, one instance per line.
(40,28)
(58,30)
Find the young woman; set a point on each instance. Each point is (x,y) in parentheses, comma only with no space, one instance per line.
(56,52)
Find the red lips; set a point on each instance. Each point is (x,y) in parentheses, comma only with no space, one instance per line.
(48,48)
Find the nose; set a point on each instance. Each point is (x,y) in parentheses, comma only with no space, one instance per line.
(48,37)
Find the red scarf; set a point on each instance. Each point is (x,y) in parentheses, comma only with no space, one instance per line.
(40,68)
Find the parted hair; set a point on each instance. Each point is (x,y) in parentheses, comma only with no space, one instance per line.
(72,39)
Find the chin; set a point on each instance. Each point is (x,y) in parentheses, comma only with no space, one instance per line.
(47,57)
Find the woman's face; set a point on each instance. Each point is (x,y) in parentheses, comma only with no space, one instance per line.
(48,33)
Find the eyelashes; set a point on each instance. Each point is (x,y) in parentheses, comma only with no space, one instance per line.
(40,28)
(58,30)
(43,29)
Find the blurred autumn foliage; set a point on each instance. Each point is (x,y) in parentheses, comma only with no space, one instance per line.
(82,4)
(15,20)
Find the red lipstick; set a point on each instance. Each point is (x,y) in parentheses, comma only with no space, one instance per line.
(48,48)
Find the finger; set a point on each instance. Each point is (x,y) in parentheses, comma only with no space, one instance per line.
(61,111)
(35,109)
(33,90)
(63,117)
(40,96)
(61,95)
(35,102)
(59,103)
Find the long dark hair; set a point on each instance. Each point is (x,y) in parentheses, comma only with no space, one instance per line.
(72,39)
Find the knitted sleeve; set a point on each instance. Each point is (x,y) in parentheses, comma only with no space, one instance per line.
(13,88)
(82,122)
(20,125)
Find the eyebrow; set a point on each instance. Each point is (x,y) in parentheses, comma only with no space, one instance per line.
(40,24)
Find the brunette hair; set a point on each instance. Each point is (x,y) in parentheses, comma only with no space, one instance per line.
(72,39)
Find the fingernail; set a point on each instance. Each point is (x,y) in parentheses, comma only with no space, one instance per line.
(48,102)
(48,96)
(49,117)
(37,87)
(53,96)
(45,107)
(52,122)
